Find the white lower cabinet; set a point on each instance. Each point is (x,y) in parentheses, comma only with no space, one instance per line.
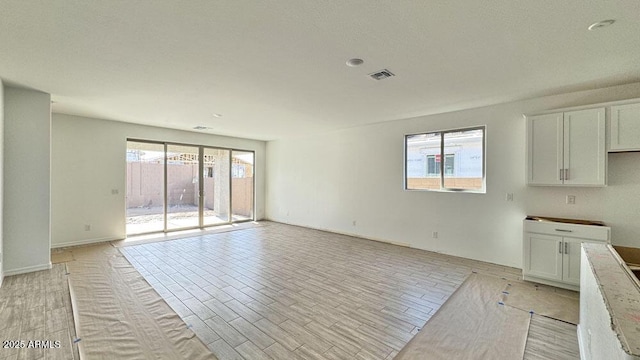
(552,251)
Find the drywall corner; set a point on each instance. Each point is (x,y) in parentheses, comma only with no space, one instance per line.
(27,181)
(1,178)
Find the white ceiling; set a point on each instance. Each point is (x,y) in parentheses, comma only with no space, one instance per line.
(276,69)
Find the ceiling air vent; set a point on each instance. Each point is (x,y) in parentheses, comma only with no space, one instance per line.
(382,74)
(200,127)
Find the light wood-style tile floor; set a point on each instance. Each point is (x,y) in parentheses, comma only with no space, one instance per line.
(286,292)
(36,308)
(551,339)
(276,291)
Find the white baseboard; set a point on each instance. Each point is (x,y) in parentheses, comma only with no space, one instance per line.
(348,234)
(27,269)
(84,242)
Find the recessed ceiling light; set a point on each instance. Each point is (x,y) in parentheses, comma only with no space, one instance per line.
(600,24)
(200,127)
(216,115)
(354,62)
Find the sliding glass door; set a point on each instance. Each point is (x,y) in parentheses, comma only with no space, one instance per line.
(180,186)
(216,187)
(183,191)
(242,185)
(145,187)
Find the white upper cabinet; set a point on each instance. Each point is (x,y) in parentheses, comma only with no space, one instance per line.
(545,154)
(567,149)
(585,147)
(624,128)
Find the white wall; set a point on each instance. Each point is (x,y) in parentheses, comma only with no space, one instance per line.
(1,176)
(27,162)
(330,180)
(89,161)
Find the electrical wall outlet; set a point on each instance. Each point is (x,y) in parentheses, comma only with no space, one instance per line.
(509,197)
(571,199)
(434,234)
(87,227)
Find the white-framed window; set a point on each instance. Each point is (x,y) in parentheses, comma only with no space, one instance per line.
(463,168)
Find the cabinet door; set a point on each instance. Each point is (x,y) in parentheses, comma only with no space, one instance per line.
(544,149)
(584,147)
(571,261)
(624,129)
(543,256)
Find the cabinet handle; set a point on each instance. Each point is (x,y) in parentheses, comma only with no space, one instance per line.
(560,247)
(566,248)
(564,230)
(561,171)
(566,174)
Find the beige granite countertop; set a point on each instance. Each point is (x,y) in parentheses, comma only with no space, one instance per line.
(621,293)
(566,221)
